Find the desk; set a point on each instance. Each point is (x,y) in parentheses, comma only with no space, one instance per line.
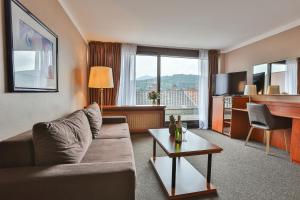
(240,126)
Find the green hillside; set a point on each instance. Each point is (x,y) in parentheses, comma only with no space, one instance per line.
(178,81)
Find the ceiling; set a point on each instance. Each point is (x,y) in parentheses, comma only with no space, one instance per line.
(208,24)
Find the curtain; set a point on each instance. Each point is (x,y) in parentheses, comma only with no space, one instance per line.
(203,91)
(298,76)
(127,90)
(213,57)
(105,54)
(291,77)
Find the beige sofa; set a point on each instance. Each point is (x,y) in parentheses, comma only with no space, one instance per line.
(107,170)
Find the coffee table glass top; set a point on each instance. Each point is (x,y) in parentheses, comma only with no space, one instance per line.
(194,144)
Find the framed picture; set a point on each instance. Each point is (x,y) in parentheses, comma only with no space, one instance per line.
(31,51)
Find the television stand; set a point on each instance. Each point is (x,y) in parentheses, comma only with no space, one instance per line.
(222,112)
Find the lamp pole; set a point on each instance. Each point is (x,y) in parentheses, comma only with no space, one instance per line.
(101,99)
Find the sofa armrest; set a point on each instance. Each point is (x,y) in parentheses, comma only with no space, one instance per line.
(114,119)
(72,181)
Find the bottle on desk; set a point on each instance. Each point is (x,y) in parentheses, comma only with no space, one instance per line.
(178,132)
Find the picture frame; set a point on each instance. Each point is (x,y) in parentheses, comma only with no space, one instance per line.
(32,51)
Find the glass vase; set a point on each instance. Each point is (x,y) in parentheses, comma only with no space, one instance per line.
(153,102)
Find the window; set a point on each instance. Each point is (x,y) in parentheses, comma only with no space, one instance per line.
(179,87)
(146,78)
(175,78)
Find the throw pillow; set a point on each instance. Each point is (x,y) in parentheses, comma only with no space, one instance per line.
(94,116)
(62,141)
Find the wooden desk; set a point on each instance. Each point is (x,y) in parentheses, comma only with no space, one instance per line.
(240,126)
(140,118)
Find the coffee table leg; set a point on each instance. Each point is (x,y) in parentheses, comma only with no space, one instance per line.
(173,172)
(208,168)
(154,148)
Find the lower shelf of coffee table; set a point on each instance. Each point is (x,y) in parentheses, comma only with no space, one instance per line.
(189,181)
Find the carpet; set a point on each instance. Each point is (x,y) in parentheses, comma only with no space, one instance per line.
(239,172)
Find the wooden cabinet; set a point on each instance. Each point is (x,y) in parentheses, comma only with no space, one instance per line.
(222,112)
(140,118)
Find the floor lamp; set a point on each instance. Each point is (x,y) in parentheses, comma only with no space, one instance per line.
(101,77)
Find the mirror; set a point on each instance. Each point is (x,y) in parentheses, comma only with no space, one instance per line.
(280,77)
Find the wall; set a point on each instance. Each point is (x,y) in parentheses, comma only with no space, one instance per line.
(281,46)
(19,111)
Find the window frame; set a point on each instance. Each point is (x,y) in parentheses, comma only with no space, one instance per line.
(168,52)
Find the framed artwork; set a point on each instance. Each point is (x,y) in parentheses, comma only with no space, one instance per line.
(32,50)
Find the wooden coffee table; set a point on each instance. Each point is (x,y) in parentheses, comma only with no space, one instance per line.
(179,178)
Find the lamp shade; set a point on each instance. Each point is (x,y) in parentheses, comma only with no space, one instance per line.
(101,77)
(273,89)
(250,90)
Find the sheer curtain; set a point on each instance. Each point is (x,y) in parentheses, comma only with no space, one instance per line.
(291,76)
(127,89)
(203,89)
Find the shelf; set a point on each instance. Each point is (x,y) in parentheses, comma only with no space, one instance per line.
(227,122)
(189,181)
(227,117)
(226,113)
(226,131)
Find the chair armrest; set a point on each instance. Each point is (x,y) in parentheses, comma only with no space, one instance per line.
(114,119)
(71,181)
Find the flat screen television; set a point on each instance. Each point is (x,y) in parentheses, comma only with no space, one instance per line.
(230,83)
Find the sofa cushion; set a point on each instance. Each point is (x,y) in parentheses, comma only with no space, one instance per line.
(114,131)
(17,151)
(62,141)
(94,116)
(109,150)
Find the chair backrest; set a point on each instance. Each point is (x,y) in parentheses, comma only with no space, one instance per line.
(259,114)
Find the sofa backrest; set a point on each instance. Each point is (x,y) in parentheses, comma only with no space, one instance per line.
(17,151)
(22,150)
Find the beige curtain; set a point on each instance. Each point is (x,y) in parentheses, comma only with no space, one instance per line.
(298,76)
(105,54)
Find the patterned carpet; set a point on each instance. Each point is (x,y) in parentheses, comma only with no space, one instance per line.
(239,172)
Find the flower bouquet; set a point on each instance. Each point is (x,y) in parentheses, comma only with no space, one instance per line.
(153,95)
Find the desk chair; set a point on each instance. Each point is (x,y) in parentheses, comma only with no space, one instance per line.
(260,117)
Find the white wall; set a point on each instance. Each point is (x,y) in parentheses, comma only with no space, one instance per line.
(278,47)
(19,111)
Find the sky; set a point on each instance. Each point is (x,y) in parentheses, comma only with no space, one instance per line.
(146,66)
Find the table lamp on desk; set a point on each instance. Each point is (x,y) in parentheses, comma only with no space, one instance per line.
(101,77)
(273,89)
(250,90)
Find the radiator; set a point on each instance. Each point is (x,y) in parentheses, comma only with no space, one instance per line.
(140,119)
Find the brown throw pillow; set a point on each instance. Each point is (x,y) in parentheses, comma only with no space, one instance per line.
(94,116)
(62,141)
